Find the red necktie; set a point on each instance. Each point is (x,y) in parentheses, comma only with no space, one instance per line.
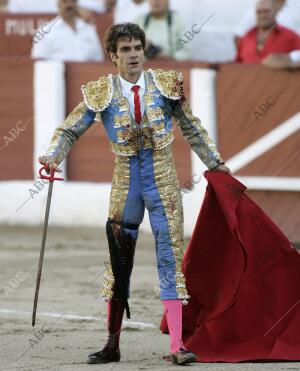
(137,104)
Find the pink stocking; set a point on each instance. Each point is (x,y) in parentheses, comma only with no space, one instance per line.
(173,311)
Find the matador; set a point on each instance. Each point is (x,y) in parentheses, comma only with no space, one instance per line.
(136,109)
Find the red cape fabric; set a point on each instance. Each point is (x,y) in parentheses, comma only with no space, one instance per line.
(243,276)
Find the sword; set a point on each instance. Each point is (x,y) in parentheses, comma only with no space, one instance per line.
(51,179)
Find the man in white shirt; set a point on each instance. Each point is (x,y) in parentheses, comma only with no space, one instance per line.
(67,37)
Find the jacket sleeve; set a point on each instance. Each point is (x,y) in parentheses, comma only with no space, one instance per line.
(65,136)
(196,135)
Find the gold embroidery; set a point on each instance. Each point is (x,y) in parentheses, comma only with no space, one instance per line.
(169,83)
(144,123)
(123,135)
(123,120)
(117,122)
(147,137)
(123,104)
(117,201)
(159,128)
(123,150)
(155,114)
(148,99)
(169,189)
(59,147)
(134,141)
(198,137)
(164,141)
(120,136)
(98,94)
(127,134)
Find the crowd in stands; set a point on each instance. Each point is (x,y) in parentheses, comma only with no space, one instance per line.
(268,34)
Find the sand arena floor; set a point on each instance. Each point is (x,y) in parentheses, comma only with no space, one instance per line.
(71,316)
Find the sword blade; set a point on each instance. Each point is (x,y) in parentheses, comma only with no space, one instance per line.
(39,273)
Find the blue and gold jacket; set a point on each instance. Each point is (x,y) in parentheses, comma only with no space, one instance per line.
(164,98)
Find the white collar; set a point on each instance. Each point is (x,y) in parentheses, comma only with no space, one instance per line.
(126,85)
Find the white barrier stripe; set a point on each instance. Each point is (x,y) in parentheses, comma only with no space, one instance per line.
(49,106)
(76,317)
(264,144)
(270,183)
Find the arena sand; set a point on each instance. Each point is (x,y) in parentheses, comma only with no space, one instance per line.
(71,315)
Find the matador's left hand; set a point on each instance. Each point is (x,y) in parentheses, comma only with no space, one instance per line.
(223,168)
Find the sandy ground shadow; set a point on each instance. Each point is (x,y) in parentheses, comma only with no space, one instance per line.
(71,315)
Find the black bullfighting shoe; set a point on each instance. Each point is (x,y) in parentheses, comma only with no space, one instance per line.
(104,356)
(182,357)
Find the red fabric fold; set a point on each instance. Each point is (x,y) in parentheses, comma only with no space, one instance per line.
(243,276)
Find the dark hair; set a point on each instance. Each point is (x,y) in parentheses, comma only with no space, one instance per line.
(120,30)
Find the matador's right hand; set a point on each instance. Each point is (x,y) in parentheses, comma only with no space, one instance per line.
(49,161)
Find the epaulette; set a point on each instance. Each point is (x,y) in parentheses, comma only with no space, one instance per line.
(98,94)
(169,83)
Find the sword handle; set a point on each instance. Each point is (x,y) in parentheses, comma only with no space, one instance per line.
(51,178)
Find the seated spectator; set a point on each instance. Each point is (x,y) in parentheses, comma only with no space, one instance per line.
(128,10)
(288,15)
(164,30)
(89,9)
(267,37)
(67,37)
(283,61)
(32,6)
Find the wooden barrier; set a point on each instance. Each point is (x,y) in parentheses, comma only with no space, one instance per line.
(253,100)
(16,31)
(16,114)
(243,93)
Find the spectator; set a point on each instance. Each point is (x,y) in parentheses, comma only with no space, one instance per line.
(68,38)
(89,9)
(97,6)
(288,16)
(164,30)
(128,10)
(281,61)
(267,37)
(32,6)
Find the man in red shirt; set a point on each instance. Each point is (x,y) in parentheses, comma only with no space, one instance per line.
(267,37)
